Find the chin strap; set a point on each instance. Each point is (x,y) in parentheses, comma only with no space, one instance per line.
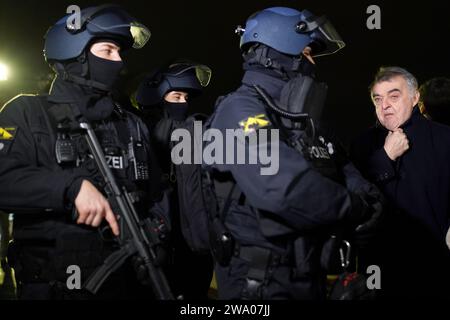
(81,80)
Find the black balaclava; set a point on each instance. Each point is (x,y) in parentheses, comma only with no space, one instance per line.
(281,65)
(301,94)
(95,104)
(104,71)
(176,110)
(173,114)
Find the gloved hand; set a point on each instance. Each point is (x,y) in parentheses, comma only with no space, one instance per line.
(360,210)
(140,269)
(162,257)
(367,229)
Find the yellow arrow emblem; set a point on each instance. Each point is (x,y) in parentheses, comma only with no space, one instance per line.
(7,133)
(253,123)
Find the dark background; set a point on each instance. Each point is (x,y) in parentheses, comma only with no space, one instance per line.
(413,35)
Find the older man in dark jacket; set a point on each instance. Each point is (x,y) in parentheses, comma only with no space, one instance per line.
(408,157)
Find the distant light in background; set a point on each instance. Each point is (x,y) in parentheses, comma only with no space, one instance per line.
(3,72)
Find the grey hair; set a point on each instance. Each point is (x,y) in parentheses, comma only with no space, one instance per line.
(387,73)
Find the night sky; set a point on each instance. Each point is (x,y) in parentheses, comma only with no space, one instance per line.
(413,35)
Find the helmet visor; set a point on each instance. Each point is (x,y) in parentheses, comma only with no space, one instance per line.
(140,33)
(331,38)
(202,72)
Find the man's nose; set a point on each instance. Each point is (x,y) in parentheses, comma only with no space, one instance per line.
(386,104)
(117,57)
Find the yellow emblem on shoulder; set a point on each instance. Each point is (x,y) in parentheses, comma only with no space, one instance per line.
(7,133)
(254,123)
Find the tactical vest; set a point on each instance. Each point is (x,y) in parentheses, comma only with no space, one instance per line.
(124,141)
(43,255)
(322,155)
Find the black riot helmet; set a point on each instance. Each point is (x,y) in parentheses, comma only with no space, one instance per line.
(273,41)
(65,42)
(183,76)
(276,37)
(289,31)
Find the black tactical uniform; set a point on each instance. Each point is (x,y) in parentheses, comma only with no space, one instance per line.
(280,222)
(189,272)
(45,160)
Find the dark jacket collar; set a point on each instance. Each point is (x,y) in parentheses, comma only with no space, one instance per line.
(415,116)
(271,84)
(63,91)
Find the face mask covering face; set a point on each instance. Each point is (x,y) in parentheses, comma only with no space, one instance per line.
(104,71)
(176,111)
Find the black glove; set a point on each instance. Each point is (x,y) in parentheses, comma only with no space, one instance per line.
(360,211)
(369,227)
(140,268)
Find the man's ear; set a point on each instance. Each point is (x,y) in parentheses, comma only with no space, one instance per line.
(416,97)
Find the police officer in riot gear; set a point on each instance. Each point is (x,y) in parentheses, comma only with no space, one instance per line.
(164,97)
(47,172)
(280,225)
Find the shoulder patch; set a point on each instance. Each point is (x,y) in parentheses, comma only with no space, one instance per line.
(253,123)
(8,133)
